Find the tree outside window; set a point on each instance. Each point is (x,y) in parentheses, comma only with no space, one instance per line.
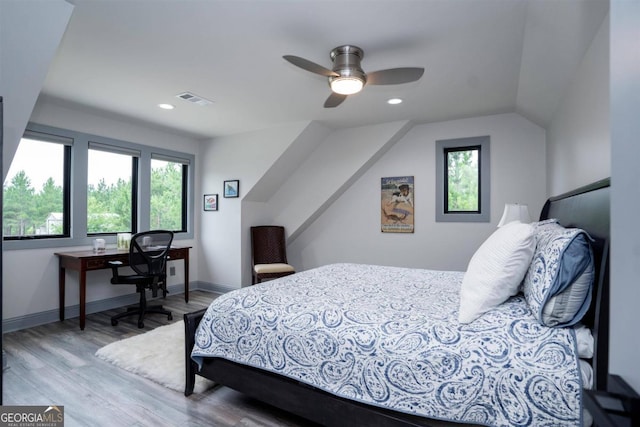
(119,186)
(168,201)
(463,180)
(109,192)
(34,191)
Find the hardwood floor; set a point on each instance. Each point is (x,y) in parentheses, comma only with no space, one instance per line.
(54,364)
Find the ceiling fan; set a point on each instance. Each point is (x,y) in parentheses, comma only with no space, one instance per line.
(347,77)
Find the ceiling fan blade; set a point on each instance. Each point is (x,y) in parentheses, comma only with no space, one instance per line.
(394,76)
(310,66)
(334,100)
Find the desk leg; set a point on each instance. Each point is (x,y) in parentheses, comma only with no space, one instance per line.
(83,296)
(186,277)
(61,286)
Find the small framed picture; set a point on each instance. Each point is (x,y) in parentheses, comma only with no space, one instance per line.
(231,188)
(210,202)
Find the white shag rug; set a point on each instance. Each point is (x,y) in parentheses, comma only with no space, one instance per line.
(157,355)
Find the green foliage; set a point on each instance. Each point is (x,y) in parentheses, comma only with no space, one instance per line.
(463,181)
(108,206)
(166,197)
(19,208)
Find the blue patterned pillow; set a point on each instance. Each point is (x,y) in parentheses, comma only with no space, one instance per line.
(558,284)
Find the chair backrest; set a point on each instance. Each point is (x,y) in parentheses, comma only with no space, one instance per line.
(148,252)
(268,244)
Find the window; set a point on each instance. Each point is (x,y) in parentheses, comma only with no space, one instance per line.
(65,187)
(462,179)
(169,178)
(462,184)
(36,190)
(112,176)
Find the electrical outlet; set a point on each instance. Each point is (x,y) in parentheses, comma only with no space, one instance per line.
(172,271)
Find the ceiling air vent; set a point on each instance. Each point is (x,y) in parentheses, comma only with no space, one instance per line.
(188,96)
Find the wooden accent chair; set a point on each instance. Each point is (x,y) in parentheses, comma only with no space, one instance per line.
(268,253)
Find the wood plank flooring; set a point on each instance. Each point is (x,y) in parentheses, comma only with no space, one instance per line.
(55,364)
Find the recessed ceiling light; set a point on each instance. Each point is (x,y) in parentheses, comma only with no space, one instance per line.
(394,101)
(166,106)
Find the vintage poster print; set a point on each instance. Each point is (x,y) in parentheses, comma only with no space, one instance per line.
(397,204)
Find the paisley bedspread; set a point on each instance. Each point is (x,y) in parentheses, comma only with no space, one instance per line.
(389,337)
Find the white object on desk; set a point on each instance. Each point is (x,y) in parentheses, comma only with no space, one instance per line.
(99,245)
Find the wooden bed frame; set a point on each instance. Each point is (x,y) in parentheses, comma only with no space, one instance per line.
(586,208)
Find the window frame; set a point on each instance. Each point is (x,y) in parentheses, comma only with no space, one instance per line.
(67,144)
(135,179)
(186,163)
(78,175)
(443,147)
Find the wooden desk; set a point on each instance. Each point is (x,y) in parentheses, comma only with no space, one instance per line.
(83,261)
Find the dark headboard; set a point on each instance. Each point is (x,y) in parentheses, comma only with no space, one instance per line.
(588,208)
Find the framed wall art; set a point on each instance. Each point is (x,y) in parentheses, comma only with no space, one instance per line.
(232,188)
(396,195)
(210,202)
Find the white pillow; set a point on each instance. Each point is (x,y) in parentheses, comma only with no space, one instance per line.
(496,270)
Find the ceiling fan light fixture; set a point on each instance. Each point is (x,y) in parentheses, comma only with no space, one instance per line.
(346,85)
(347,76)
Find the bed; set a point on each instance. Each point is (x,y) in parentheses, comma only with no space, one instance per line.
(377,370)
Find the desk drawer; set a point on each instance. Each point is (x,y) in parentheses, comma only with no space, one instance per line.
(178,253)
(100,263)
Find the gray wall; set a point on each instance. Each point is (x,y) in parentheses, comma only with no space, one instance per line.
(625,197)
(25,53)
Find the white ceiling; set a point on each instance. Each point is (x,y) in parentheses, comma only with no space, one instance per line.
(123,57)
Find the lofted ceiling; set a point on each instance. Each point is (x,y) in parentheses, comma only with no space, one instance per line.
(121,58)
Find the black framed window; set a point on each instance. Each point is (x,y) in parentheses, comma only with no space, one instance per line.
(98,186)
(463,180)
(36,194)
(169,186)
(112,180)
(462,192)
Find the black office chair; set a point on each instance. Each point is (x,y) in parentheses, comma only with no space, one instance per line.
(148,258)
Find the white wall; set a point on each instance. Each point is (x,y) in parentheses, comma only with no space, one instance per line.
(245,157)
(578,152)
(30,32)
(578,140)
(30,277)
(349,231)
(625,191)
(594,135)
(340,157)
(319,164)
(52,112)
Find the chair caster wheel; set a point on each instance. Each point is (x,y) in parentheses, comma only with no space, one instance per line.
(114,322)
(140,325)
(170,317)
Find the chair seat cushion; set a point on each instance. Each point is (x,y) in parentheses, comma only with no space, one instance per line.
(273,268)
